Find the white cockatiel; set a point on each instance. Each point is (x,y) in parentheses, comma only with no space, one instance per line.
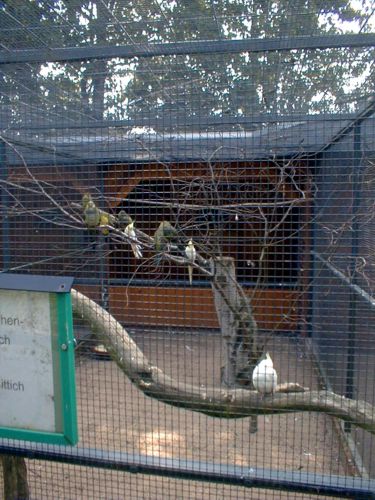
(265,376)
(191,254)
(136,247)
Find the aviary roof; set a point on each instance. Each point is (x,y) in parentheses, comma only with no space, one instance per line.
(139,144)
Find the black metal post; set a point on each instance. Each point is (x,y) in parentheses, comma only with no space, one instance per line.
(255,45)
(356,199)
(4,198)
(316,171)
(103,267)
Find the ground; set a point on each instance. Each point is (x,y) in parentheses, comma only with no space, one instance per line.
(114,415)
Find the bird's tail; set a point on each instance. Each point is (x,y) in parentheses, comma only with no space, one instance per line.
(190,269)
(136,250)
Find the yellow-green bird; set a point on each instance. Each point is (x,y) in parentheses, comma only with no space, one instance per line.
(104,221)
(95,217)
(191,254)
(164,236)
(91,215)
(111,219)
(85,200)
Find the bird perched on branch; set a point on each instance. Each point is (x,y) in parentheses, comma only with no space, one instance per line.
(123,220)
(191,254)
(85,199)
(106,219)
(129,232)
(169,231)
(91,215)
(265,376)
(164,236)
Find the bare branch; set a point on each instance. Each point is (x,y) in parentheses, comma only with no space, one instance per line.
(39,184)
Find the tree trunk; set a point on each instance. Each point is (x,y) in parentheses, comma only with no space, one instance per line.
(237,324)
(238,327)
(15,478)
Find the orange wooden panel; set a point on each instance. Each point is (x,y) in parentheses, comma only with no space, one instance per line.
(185,307)
(163,306)
(52,175)
(273,309)
(92,291)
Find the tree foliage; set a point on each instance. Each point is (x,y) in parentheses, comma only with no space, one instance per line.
(183,88)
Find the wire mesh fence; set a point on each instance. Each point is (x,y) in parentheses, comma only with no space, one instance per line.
(205,172)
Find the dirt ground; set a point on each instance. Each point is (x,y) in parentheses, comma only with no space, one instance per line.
(114,415)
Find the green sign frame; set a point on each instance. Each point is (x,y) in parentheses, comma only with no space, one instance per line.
(65,427)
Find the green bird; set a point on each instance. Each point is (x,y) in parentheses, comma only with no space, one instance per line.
(91,215)
(170,232)
(123,220)
(164,236)
(107,219)
(110,218)
(85,200)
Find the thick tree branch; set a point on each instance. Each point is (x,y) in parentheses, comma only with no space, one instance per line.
(214,401)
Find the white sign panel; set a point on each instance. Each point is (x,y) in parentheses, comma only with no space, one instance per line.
(26,361)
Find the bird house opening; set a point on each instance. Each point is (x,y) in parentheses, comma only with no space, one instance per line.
(246,218)
(255,212)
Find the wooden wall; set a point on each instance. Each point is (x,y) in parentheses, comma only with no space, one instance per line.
(276,309)
(193,307)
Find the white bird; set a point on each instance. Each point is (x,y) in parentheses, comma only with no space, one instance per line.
(191,254)
(129,232)
(265,376)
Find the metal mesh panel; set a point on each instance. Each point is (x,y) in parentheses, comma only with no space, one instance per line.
(249,127)
(343,304)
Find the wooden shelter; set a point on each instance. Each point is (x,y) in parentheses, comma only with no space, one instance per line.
(265,173)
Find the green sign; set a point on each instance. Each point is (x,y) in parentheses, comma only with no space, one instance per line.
(37,376)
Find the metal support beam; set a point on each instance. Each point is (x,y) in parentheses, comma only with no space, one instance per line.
(199,121)
(352,323)
(4,201)
(102,248)
(249,477)
(193,47)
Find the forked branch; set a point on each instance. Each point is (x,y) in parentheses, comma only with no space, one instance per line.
(214,401)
